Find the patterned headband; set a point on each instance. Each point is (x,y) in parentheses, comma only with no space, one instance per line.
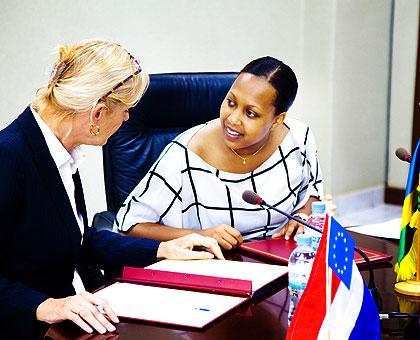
(137,64)
(56,73)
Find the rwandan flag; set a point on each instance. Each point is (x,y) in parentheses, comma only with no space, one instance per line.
(407,251)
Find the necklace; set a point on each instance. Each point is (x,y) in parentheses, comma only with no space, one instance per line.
(243,158)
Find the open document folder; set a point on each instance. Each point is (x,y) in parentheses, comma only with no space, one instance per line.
(280,249)
(197,292)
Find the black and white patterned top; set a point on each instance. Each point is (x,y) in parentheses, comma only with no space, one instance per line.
(181,190)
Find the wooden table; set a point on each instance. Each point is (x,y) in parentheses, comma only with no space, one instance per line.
(266,316)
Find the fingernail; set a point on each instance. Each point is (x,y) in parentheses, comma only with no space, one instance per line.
(286,238)
(111,328)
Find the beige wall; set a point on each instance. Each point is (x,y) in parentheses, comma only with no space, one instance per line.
(404,56)
(360,92)
(345,89)
(338,49)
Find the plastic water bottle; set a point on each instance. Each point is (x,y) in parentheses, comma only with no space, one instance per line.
(300,265)
(317,219)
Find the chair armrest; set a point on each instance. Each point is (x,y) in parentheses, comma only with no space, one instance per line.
(103,220)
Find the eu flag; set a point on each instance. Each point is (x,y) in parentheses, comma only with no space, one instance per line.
(340,252)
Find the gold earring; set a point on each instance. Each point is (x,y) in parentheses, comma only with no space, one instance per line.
(92,132)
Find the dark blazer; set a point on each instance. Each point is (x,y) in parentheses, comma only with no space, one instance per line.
(40,240)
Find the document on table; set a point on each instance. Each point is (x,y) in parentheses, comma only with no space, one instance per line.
(186,307)
(259,273)
(388,229)
(172,306)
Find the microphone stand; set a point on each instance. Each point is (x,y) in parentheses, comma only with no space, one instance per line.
(371,285)
(261,202)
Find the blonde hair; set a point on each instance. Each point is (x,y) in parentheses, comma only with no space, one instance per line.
(85,72)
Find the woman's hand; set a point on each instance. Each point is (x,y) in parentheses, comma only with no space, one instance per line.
(289,229)
(182,248)
(226,236)
(86,310)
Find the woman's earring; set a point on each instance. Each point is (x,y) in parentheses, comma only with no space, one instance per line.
(92,132)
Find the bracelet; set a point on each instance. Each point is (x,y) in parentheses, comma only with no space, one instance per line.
(302,216)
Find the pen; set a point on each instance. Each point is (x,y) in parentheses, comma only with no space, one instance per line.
(203,309)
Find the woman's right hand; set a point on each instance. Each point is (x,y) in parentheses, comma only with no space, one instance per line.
(227,237)
(86,310)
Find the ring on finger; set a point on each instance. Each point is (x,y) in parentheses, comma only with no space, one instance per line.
(80,310)
(99,308)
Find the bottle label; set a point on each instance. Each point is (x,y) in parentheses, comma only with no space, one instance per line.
(299,275)
(317,222)
(315,242)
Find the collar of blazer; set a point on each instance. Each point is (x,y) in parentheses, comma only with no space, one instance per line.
(50,175)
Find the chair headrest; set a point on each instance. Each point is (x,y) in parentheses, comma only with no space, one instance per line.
(172,104)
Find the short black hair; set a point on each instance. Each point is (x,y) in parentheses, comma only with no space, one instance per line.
(280,76)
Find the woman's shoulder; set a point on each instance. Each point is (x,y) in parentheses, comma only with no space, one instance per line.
(175,151)
(300,132)
(298,129)
(185,137)
(11,138)
(15,154)
(201,137)
(296,125)
(180,142)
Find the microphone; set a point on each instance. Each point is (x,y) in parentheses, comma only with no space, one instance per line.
(253,198)
(403,155)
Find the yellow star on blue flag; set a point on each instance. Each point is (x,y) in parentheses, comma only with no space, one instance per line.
(340,252)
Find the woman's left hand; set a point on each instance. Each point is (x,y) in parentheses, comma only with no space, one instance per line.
(289,229)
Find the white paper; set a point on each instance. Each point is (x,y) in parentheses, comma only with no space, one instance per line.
(388,229)
(172,306)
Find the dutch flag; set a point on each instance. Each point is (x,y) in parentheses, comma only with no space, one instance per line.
(352,313)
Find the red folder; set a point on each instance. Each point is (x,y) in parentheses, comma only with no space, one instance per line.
(202,283)
(279,249)
(177,292)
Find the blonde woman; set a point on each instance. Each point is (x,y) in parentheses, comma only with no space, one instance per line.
(44,223)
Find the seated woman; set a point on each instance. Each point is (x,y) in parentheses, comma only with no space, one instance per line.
(197,182)
(44,231)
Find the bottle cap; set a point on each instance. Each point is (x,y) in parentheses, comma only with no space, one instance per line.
(303,239)
(318,206)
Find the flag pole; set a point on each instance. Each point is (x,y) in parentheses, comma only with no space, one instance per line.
(328,283)
(418,256)
(329,288)
(330,211)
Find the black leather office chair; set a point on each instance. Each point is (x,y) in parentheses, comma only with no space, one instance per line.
(172,104)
